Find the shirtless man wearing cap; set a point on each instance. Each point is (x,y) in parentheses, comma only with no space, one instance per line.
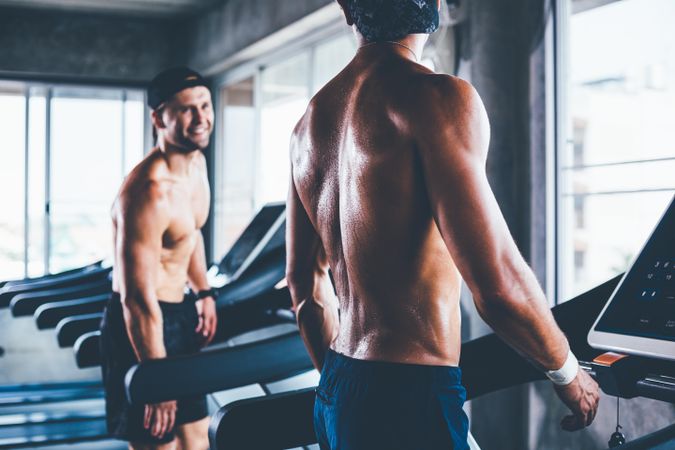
(159,250)
(389,191)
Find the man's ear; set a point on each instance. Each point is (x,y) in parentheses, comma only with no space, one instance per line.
(157,119)
(345,11)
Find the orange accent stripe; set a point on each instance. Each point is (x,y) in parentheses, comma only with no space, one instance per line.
(609,358)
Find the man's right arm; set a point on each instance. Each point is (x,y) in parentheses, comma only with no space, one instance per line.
(141,223)
(452,142)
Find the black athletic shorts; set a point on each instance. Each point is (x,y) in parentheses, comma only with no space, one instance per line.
(363,405)
(125,421)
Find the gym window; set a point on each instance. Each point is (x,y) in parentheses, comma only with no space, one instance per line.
(65,151)
(257,113)
(616,156)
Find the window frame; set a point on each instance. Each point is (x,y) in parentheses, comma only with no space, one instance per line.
(564,134)
(254,69)
(28,89)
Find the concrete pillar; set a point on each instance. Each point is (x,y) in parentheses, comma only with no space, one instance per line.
(505,53)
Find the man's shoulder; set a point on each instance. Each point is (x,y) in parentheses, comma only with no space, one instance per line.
(442,104)
(439,93)
(146,186)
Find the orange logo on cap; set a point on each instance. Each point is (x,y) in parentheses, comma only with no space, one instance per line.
(191,77)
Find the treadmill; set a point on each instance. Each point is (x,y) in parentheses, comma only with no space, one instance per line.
(263,238)
(633,313)
(88,274)
(50,276)
(225,372)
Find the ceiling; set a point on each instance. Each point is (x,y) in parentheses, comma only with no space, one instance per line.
(148,8)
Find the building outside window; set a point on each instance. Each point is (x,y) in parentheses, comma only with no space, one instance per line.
(66,152)
(617,170)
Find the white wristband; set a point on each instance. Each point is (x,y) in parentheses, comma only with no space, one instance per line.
(567,373)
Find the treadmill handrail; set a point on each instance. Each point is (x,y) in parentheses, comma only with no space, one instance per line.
(231,428)
(27,303)
(51,276)
(215,369)
(94,273)
(86,350)
(71,328)
(257,281)
(49,314)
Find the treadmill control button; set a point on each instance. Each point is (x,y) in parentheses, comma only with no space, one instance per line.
(648,294)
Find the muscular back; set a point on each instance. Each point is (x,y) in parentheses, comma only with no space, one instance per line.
(359,177)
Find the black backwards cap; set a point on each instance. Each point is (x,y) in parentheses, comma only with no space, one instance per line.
(382,20)
(170,82)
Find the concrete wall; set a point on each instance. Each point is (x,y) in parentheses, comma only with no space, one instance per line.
(217,35)
(36,44)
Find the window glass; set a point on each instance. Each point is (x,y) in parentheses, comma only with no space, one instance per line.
(235,167)
(330,58)
(12,130)
(616,170)
(37,135)
(75,166)
(258,117)
(134,123)
(284,96)
(86,138)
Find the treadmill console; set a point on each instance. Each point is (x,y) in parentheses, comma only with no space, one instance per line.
(639,317)
(253,240)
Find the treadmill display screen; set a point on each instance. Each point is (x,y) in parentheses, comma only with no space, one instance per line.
(250,238)
(644,303)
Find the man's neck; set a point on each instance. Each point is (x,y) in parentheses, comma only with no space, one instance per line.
(410,46)
(178,160)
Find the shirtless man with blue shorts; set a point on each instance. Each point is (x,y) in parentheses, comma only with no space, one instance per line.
(389,191)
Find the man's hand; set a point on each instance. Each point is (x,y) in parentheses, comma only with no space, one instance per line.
(160,418)
(208,319)
(581,396)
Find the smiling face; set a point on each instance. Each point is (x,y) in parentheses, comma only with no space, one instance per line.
(186,121)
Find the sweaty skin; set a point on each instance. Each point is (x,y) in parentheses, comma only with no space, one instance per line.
(389,190)
(157,216)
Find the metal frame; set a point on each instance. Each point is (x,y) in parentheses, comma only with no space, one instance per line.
(26,142)
(48,179)
(561,59)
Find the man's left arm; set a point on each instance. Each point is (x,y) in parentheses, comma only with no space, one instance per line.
(208,319)
(312,294)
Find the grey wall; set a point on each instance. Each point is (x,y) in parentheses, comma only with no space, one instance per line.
(86,47)
(237,24)
(502,55)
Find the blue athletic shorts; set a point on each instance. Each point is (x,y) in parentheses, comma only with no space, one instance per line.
(367,405)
